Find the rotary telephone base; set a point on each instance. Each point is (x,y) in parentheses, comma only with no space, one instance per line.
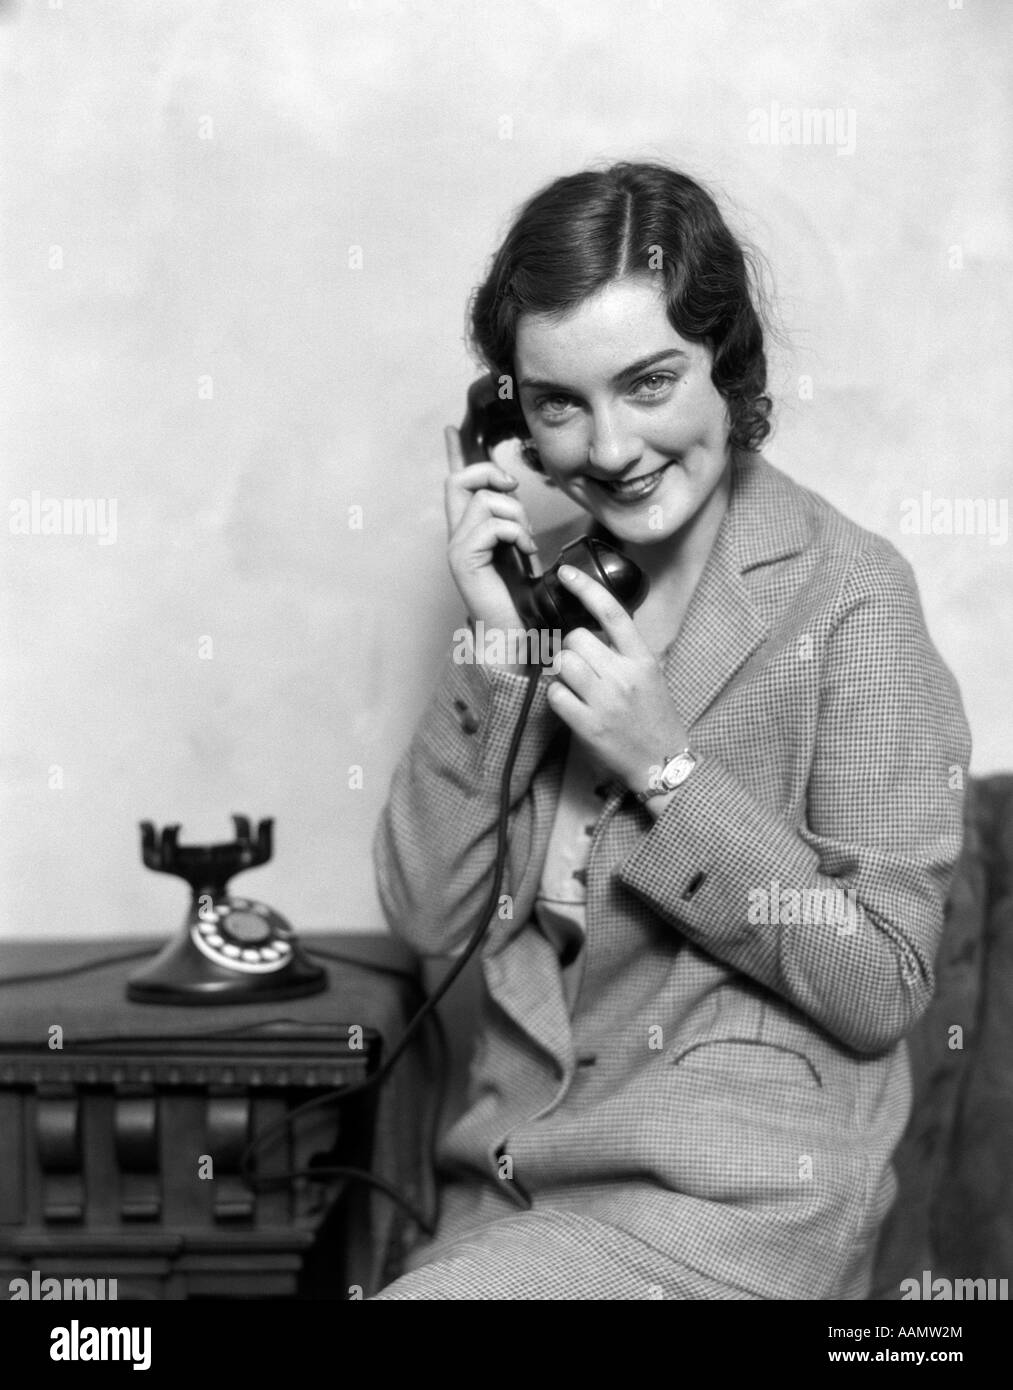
(232,950)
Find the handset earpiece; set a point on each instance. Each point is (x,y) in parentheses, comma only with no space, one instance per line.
(542,601)
(488,420)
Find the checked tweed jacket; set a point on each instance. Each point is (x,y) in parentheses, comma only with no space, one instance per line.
(725,1091)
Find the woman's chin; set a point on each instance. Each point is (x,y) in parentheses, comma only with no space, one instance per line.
(646,524)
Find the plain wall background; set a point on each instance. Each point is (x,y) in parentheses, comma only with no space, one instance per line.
(182,183)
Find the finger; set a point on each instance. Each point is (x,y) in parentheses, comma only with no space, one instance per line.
(488,474)
(460,485)
(457,463)
(484,504)
(576,674)
(487,501)
(455,453)
(594,652)
(570,707)
(615,622)
(478,544)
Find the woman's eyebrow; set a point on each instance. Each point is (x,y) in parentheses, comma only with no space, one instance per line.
(640,365)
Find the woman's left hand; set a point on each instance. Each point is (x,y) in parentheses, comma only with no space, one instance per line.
(614,697)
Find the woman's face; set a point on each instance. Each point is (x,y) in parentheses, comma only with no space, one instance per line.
(623,411)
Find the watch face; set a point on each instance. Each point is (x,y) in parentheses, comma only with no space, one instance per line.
(677,769)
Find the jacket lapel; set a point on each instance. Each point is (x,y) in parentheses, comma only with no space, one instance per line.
(723,625)
(524,979)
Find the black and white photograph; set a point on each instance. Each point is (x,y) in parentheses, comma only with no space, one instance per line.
(508,602)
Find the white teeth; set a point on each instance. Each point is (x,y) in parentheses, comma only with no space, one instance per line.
(637,486)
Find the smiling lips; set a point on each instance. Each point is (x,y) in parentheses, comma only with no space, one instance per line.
(633,489)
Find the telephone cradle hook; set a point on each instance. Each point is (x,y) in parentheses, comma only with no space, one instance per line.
(231,950)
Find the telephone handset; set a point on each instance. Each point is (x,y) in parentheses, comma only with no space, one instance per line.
(542,601)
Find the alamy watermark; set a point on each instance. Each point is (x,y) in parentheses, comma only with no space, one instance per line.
(775,906)
(64,516)
(77,1343)
(956,516)
(512,646)
(40,1288)
(810,125)
(942,1290)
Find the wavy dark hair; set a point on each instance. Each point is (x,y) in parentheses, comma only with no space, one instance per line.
(584,230)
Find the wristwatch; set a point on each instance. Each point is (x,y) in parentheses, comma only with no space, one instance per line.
(672,773)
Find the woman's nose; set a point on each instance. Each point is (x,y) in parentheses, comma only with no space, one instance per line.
(613,448)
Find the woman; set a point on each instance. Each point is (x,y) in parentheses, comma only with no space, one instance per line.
(691,1073)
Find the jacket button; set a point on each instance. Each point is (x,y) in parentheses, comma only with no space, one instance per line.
(694,886)
(467,720)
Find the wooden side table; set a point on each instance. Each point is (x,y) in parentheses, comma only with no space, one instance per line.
(122,1126)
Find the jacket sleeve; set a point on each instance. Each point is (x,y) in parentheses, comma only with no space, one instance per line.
(434,848)
(882,831)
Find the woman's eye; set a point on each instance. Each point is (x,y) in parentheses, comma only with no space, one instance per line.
(656,384)
(552,405)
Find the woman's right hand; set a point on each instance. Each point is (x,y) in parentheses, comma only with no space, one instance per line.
(480,514)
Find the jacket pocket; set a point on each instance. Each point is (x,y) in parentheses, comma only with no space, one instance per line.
(749,1061)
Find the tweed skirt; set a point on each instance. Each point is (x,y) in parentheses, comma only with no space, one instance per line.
(555,1251)
(552,1254)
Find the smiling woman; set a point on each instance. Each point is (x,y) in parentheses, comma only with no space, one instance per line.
(642,445)
(674,1096)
